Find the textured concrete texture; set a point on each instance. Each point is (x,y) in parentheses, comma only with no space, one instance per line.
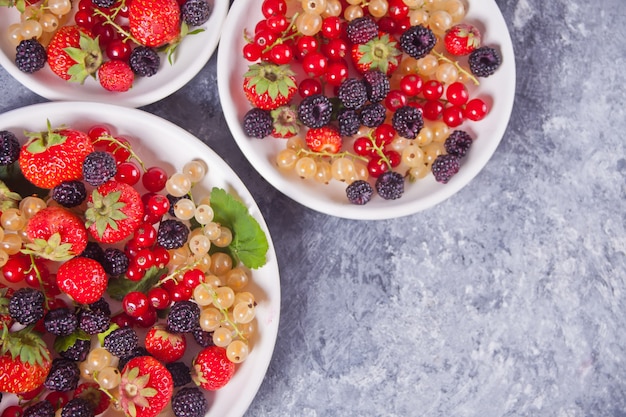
(508,299)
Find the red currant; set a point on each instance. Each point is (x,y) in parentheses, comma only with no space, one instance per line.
(457,94)
(264,38)
(331,27)
(384,134)
(97,131)
(84,18)
(13,411)
(158,204)
(335,49)
(159,298)
(452,116)
(85,5)
(393,157)
(128,172)
(135,303)
(135,273)
(177,291)
(144,258)
(277,23)
(363,146)
(119,149)
(273,7)
(315,64)
(475,109)
(16,268)
(305,45)
(193,278)
(397,10)
(281,54)
(433,90)
(118,49)
(336,73)
(432,109)
(252,52)
(58,399)
(147,319)
(145,235)
(411,85)
(395,99)
(387,24)
(377,166)
(309,87)
(161,257)
(122,320)
(105,33)
(154,179)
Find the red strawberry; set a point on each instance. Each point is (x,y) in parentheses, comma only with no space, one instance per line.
(269,86)
(165,346)
(462,39)
(24,360)
(116,75)
(83,279)
(73,54)
(57,234)
(382,53)
(114,211)
(154,23)
(51,157)
(91,392)
(324,139)
(212,369)
(146,387)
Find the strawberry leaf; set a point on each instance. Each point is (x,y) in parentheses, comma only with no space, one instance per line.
(273,91)
(119,287)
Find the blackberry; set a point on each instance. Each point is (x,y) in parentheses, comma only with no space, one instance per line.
(418,41)
(359,192)
(189,402)
(458,143)
(103,3)
(93,251)
(144,61)
(183,317)
(195,12)
(60,321)
(484,61)
(115,261)
(377,85)
(172,234)
(203,338)
(120,342)
(373,114)
(352,93)
(42,408)
(407,121)
(93,321)
(101,305)
(135,353)
(349,122)
(390,185)
(63,376)
(78,351)
(258,123)
(315,111)
(27,306)
(30,56)
(77,407)
(69,193)
(181,374)
(99,167)
(173,200)
(9,148)
(445,167)
(361,30)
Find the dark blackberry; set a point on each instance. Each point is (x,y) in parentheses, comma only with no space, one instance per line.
(173,200)
(60,321)
(27,306)
(9,148)
(63,376)
(77,407)
(258,123)
(203,338)
(183,317)
(359,192)
(458,143)
(195,12)
(99,167)
(144,61)
(361,30)
(352,93)
(93,321)
(30,56)
(373,115)
(484,61)
(377,85)
(101,305)
(418,41)
(181,374)
(103,3)
(407,121)
(120,342)
(78,351)
(315,111)
(390,185)
(349,122)
(445,167)
(69,193)
(42,408)
(115,261)
(172,234)
(135,353)
(189,402)
(93,251)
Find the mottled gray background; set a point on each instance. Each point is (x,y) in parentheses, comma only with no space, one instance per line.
(505,300)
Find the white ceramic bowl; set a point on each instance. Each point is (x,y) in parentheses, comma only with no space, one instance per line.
(162,143)
(498,89)
(191,56)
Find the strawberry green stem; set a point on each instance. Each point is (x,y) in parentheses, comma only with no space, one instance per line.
(462,70)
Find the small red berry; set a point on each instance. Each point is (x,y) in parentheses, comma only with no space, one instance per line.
(475,109)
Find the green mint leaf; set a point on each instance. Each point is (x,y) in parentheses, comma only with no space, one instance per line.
(63,343)
(119,287)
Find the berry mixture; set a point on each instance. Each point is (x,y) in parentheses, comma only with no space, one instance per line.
(382,89)
(122,286)
(113,41)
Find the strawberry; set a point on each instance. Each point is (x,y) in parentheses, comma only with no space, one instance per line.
(114,211)
(49,158)
(73,54)
(146,387)
(285,122)
(462,39)
(212,369)
(91,392)
(382,53)
(269,86)
(24,360)
(56,234)
(165,346)
(116,75)
(324,139)
(83,279)
(154,23)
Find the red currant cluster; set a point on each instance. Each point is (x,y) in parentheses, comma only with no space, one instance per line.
(110,41)
(375,148)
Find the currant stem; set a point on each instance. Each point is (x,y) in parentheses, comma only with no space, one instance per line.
(172,276)
(444,58)
(329,154)
(224,312)
(120,145)
(283,36)
(379,149)
(109,21)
